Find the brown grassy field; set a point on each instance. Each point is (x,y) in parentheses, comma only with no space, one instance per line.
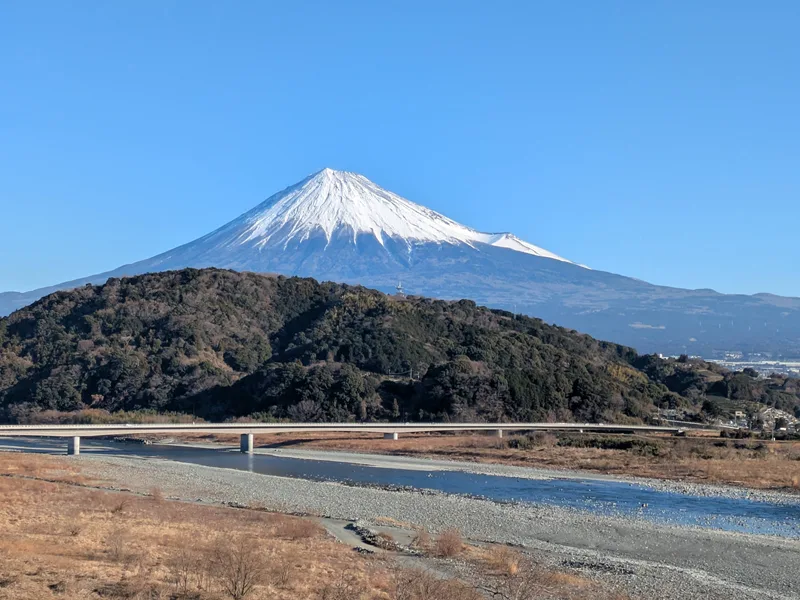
(62,537)
(750,463)
(83,543)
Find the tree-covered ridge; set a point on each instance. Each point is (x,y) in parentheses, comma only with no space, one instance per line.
(220,343)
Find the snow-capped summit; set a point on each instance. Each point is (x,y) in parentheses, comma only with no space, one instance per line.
(335,203)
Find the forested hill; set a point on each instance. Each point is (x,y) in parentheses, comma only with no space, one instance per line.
(222,344)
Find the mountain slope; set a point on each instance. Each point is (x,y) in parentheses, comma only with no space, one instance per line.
(171,340)
(222,343)
(342,227)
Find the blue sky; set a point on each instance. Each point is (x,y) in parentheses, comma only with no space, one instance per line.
(659,140)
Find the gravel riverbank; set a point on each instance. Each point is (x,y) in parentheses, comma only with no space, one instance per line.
(651,561)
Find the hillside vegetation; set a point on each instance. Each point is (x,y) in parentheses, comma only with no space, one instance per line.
(223,344)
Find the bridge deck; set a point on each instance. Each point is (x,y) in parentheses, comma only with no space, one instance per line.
(255,428)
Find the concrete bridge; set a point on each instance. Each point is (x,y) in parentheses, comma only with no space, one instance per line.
(246,431)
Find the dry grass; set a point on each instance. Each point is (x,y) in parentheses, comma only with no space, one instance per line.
(78,542)
(394,523)
(343,588)
(41,466)
(295,528)
(509,575)
(750,463)
(417,584)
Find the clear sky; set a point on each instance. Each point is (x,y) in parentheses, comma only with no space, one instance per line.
(659,140)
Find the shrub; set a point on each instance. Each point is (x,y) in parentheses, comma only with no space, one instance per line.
(449,543)
(641,446)
(503,560)
(421,540)
(120,506)
(737,434)
(532,440)
(520,442)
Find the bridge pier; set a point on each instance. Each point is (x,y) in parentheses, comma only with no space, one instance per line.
(391,436)
(246,443)
(74,446)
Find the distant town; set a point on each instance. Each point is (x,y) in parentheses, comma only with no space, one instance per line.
(742,415)
(762,362)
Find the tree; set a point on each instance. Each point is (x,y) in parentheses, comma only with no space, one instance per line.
(306,411)
(711,408)
(238,566)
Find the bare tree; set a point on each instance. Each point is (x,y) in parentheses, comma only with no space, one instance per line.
(182,567)
(305,411)
(281,571)
(119,545)
(239,566)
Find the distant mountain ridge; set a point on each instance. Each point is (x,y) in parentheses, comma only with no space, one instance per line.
(340,226)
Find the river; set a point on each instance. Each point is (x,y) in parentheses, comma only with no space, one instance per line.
(595,495)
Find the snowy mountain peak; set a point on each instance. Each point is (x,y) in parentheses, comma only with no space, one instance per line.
(340,203)
(328,172)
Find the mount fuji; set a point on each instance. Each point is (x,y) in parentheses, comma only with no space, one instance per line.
(340,226)
(331,213)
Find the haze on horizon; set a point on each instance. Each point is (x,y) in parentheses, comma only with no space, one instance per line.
(658,142)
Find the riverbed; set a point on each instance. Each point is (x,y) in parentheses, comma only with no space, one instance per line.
(592,524)
(603,496)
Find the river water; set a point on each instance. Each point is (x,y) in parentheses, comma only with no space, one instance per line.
(594,495)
